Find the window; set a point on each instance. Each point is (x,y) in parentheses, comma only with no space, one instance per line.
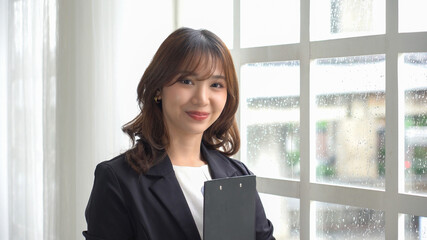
(331,19)
(415,226)
(269,22)
(334,221)
(333,115)
(350,120)
(413,77)
(270,118)
(412,16)
(284,215)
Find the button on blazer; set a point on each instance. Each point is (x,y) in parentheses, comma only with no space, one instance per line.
(126,205)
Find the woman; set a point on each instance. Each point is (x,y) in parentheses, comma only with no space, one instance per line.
(183,136)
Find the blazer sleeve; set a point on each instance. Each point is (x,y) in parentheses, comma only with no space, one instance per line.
(106,213)
(263,226)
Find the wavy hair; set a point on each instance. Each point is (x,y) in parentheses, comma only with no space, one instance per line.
(183,50)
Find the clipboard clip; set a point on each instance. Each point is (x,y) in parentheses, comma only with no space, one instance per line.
(220,186)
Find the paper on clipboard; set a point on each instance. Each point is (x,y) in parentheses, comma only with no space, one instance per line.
(229,208)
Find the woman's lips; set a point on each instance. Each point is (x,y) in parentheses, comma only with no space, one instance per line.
(199,116)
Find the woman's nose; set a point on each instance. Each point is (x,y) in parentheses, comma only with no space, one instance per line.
(200,96)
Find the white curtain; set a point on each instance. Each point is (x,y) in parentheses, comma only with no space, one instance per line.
(68,77)
(4,213)
(28,117)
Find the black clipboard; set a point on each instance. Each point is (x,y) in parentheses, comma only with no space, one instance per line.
(229,208)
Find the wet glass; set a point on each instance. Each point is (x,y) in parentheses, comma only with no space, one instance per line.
(216,16)
(270,118)
(334,221)
(284,214)
(413,80)
(331,19)
(349,113)
(269,22)
(412,15)
(415,227)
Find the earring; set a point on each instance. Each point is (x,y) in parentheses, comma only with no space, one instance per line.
(157,99)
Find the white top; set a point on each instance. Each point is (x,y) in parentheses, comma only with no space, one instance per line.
(191,180)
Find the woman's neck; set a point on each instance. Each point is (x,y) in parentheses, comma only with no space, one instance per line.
(185,152)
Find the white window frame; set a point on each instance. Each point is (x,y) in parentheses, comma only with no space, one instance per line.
(392,200)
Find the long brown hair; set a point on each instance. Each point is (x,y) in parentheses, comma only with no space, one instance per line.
(184,49)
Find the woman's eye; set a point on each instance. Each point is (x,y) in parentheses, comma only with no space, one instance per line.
(186,81)
(217,85)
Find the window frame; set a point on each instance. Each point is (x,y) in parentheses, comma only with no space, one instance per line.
(392,200)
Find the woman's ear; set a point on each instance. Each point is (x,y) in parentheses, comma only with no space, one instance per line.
(158,97)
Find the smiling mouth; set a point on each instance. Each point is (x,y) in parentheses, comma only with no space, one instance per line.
(199,116)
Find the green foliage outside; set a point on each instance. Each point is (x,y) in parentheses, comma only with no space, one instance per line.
(325,171)
(381,161)
(419,162)
(292,158)
(416,121)
(321,126)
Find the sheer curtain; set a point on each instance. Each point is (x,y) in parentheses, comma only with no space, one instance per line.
(103,49)
(4,216)
(28,117)
(67,86)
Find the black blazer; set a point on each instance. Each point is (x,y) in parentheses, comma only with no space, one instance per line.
(127,205)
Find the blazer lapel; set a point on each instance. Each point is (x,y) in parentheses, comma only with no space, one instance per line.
(168,191)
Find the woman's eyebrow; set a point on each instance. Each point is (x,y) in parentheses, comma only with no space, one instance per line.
(197,76)
(218,77)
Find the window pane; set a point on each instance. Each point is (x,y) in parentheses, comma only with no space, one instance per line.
(350,120)
(270,118)
(284,214)
(216,16)
(269,22)
(335,221)
(413,79)
(415,227)
(346,18)
(412,15)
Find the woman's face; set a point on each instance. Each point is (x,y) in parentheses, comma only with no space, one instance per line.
(192,104)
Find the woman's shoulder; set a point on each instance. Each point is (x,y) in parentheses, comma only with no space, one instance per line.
(117,166)
(115,163)
(239,164)
(226,162)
